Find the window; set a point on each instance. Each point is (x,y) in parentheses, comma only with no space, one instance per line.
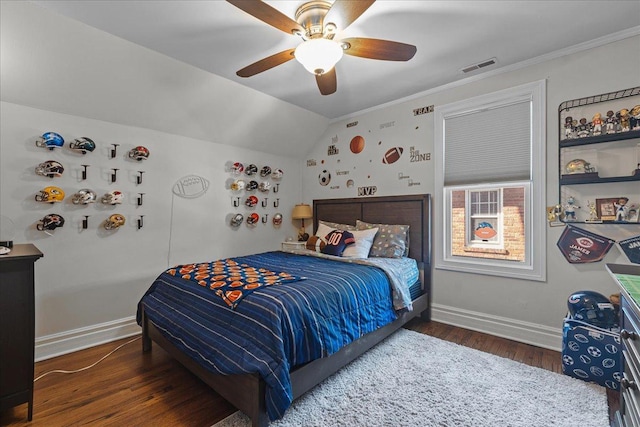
(490,184)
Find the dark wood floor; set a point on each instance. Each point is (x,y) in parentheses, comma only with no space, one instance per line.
(151,389)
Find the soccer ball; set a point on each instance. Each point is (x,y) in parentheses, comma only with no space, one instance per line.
(324,178)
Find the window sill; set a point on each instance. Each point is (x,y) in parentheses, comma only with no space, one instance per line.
(486,251)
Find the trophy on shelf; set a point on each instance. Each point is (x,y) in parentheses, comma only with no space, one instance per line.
(554,215)
(593,213)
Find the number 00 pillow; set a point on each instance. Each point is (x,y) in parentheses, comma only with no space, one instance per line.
(336,241)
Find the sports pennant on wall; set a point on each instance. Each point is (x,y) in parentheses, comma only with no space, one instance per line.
(631,248)
(580,246)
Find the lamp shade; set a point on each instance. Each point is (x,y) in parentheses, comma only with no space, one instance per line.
(318,55)
(302,211)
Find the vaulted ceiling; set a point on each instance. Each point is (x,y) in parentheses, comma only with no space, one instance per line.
(449,35)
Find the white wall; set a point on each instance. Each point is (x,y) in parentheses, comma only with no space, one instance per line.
(60,75)
(525,310)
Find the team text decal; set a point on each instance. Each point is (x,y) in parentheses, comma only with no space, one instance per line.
(352,124)
(332,150)
(387,125)
(311,162)
(423,110)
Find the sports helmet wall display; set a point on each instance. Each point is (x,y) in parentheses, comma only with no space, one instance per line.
(50,140)
(112,198)
(84,197)
(267,173)
(82,145)
(50,194)
(50,222)
(50,169)
(139,153)
(114,221)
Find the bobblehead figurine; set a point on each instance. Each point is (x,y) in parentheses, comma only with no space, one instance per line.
(611,122)
(621,209)
(568,127)
(635,118)
(596,124)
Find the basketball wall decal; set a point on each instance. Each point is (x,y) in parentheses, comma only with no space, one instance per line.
(357,144)
(190,186)
(392,155)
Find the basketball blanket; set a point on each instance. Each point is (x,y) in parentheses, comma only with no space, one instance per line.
(231,280)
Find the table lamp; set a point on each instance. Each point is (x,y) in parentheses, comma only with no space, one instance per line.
(302,212)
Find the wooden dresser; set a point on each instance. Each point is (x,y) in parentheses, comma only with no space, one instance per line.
(628,279)
(17,326)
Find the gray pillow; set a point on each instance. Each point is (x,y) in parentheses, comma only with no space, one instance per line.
(391,241)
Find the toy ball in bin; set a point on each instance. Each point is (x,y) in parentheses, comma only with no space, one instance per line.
(593,308)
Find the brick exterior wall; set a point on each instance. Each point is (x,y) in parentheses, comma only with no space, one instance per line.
(513,233)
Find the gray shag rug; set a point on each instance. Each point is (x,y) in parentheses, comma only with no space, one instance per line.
(412,379)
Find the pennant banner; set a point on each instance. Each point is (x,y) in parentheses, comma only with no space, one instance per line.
(580,246)
(631,248)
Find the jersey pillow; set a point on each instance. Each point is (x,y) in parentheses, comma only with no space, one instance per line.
(336,241)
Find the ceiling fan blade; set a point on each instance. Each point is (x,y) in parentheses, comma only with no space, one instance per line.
(327,82)
(344,12)
(267,63)
(379,49)
(268,14)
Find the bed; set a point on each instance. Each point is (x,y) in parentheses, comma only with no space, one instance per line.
(250,392)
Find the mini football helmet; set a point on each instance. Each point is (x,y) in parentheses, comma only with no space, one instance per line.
(277,219)
(83,144)
(238,185)
(237,168)
(114,221)
(592,307)
(50,168)
(237,220)
(252,185)
(84,197)
(50,222)
(50,194)
(251,170)
(139,153)
(264,187)
(265,171)
(277,174)
(112,198)
(252,219)
(50,140)
(251,201)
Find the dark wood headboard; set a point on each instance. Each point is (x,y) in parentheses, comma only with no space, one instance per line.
(412,210)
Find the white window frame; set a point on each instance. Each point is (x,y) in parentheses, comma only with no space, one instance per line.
(469,240)
(534,266)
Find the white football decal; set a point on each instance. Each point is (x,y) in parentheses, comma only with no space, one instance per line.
(190,186)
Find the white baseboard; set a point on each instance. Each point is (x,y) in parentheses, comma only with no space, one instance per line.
(517,330)
(78,339)
(66,342)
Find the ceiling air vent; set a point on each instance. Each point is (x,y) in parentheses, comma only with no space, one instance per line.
(479,65)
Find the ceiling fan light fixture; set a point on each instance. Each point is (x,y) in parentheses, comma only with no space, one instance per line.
(318,55)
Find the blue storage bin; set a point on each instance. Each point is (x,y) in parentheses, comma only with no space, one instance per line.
(591,354)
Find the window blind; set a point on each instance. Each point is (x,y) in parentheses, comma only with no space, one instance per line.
(492,145)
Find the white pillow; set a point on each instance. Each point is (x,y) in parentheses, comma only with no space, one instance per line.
(364,240)
(323,230)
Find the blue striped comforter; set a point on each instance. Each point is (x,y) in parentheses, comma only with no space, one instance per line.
(274,328)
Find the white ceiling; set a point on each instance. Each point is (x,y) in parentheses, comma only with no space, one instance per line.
(450,35)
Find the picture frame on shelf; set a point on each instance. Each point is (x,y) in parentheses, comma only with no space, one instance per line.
(606,208)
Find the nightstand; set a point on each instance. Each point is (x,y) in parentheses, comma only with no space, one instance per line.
(17,326)
(292,246)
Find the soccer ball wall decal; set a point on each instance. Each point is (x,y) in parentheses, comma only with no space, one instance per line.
(324,178)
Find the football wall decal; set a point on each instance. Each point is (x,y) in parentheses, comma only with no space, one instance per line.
(392,155)
(190,186)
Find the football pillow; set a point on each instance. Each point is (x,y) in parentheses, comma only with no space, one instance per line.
(337,241)
(315,243)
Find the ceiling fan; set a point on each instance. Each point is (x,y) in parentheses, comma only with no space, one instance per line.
(317,23)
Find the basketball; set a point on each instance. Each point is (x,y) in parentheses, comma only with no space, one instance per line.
(357,144)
